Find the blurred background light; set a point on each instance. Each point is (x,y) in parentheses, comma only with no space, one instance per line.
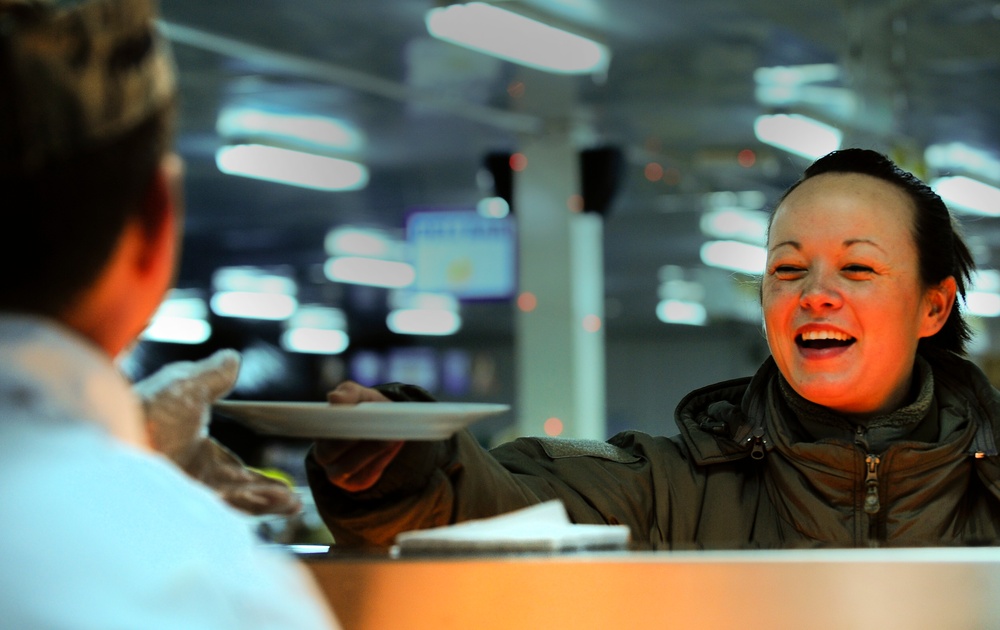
(296,168)
(493,207)
(181,318)
(735,256)
(362,241)
(798,134)
(681,312)
(958,157)
(734,223)
(982,299)
(253,293)
(369,271)
(316,329)
(422,313)
(307,130)
(515,37)
(315,340)
(968,195)
(251,305)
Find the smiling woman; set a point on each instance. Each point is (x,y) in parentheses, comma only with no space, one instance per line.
(844,301)
(866,428)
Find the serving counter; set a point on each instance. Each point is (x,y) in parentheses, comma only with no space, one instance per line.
(817,589)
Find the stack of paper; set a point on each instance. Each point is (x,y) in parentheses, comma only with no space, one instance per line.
(544,527)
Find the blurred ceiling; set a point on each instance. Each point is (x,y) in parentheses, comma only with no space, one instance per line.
(680,92)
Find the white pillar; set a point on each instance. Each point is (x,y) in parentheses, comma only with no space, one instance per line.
(560,312)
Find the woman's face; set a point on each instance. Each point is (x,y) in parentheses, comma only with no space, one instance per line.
(844,305)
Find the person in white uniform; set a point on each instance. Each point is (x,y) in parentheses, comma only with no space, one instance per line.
(97,528)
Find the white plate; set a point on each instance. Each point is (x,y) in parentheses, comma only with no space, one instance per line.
(364,421)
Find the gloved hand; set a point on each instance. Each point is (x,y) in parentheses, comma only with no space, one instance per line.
(177,401)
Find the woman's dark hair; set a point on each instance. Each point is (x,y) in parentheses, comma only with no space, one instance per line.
(941,249)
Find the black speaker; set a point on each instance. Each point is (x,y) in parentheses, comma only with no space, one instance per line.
(601,170)
(497,164)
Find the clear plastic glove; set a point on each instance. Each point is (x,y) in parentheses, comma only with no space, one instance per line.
(177,402)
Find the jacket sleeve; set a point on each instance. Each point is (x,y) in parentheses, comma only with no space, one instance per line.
(428,484)
(438,483)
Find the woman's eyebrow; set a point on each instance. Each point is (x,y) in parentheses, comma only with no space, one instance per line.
(862,241)
(795,244)
(848,243)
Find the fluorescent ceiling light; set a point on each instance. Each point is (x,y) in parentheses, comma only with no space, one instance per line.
(985,280)
(362,241)
(732,223)
(313,316)
(253,279)
(681,312)
(786,86)
(180,318)
(798,134)
(170,329)
(418,321)
(253,305)
(958,156)
(983,297)
(797,75)
(369,271)
(296,168)
(315,340)
(423,300)
(982,304)
(517,38)
(319,131)
(968,195)
(728,199)
(735,256)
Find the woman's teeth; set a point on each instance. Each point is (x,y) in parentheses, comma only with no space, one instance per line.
(819,339)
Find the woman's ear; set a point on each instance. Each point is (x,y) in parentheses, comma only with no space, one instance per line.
(938,302)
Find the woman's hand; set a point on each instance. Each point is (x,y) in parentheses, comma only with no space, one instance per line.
(355,465)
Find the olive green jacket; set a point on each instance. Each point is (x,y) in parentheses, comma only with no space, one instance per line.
(744,472)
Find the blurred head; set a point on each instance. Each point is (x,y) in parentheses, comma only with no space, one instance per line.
(864,263)
(87,100)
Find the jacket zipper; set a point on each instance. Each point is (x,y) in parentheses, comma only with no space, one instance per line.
(757,452)
(872,502)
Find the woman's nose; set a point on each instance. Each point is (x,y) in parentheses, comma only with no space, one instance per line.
(820,291)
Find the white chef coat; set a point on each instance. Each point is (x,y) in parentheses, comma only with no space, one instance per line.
(97,531)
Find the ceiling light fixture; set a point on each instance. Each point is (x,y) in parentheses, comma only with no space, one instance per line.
(180,318)
(320,131)
(316,330)
(252,305)
(369,271)
(958,157)
(968,195)
(423,313)
(515,37)
(296,168)
(734,256)
(416,321)
(681,312)
(798,134)
(253,293)
(735,223)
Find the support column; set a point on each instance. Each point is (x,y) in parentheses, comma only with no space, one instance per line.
(560,311)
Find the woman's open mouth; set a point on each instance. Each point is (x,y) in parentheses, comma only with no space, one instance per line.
(823,340)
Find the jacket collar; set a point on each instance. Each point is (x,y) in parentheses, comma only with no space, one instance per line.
(726,421)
